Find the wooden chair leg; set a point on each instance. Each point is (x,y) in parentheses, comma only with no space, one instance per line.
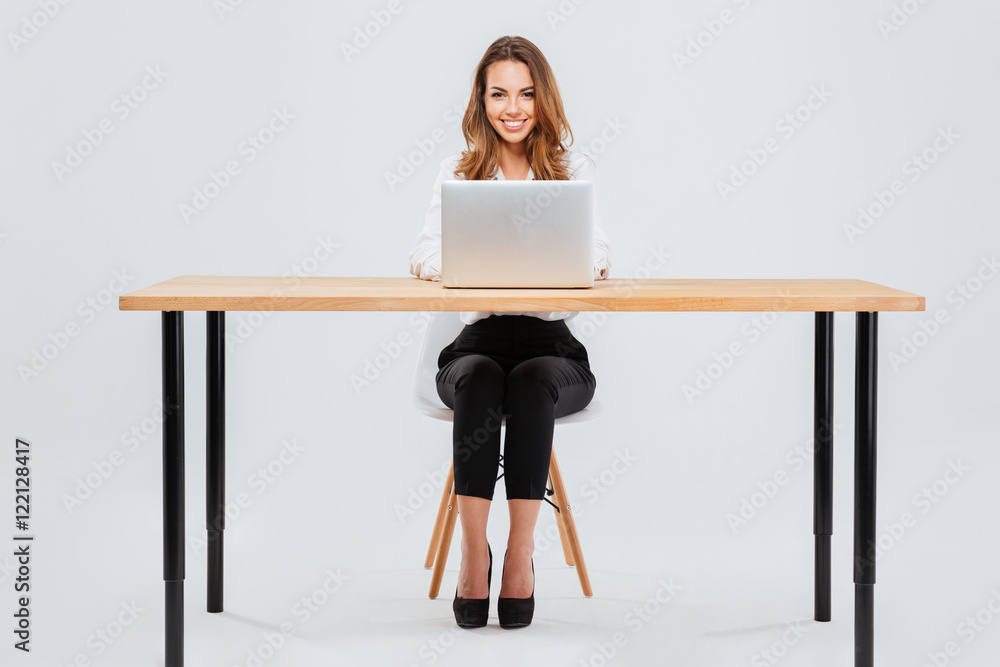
(557,500)
(570,525)
(444,544)
(432,548)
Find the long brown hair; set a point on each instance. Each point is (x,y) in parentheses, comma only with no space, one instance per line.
(544,147)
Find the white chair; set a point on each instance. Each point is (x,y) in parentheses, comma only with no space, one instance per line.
(441,331)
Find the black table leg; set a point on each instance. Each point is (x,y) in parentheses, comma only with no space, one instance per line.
(215,441)
(823,462)
(173,484)
(865,395)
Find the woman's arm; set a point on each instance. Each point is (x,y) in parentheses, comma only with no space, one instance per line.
(425,258)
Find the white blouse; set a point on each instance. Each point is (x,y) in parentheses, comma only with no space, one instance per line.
(425,258)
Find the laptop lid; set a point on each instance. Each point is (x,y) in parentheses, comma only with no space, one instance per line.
(517,233)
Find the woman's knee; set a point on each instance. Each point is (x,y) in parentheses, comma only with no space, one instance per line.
(477,370)
(531,380)
(565,383)
(550,374)
(470,369)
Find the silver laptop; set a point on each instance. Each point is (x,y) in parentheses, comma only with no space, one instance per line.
(517,233)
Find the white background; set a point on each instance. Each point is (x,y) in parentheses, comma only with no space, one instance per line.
(683,129)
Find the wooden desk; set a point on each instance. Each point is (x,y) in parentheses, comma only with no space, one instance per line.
(218,294)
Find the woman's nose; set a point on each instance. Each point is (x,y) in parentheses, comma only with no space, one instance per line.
(513,108)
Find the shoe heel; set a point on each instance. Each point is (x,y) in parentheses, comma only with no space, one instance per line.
(474,612)
(516,612)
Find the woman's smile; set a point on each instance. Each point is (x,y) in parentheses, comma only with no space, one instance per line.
(510,99)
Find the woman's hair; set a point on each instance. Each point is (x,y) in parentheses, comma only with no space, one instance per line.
(544,145)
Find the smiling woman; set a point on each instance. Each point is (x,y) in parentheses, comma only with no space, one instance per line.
(515,92)
(515,129)
(525,365)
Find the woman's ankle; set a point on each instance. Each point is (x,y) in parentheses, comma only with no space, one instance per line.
(475,546)
(520,547)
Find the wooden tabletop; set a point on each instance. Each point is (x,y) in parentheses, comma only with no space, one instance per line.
(228,293)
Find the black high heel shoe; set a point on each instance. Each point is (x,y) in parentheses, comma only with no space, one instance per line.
(474,612)
(517,612)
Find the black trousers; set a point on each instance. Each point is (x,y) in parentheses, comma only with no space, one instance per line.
(522,367)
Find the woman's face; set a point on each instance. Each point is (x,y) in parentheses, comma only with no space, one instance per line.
(510,96)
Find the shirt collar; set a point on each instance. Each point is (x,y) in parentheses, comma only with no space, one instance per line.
(500,176)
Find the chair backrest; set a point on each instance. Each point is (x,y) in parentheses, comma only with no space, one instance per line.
(441,330)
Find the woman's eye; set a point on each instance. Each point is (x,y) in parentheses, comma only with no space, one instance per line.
(496,94)
(530,95)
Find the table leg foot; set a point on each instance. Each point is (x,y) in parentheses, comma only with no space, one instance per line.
(174,623)
(215,571)
(864,625)
(822,593)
